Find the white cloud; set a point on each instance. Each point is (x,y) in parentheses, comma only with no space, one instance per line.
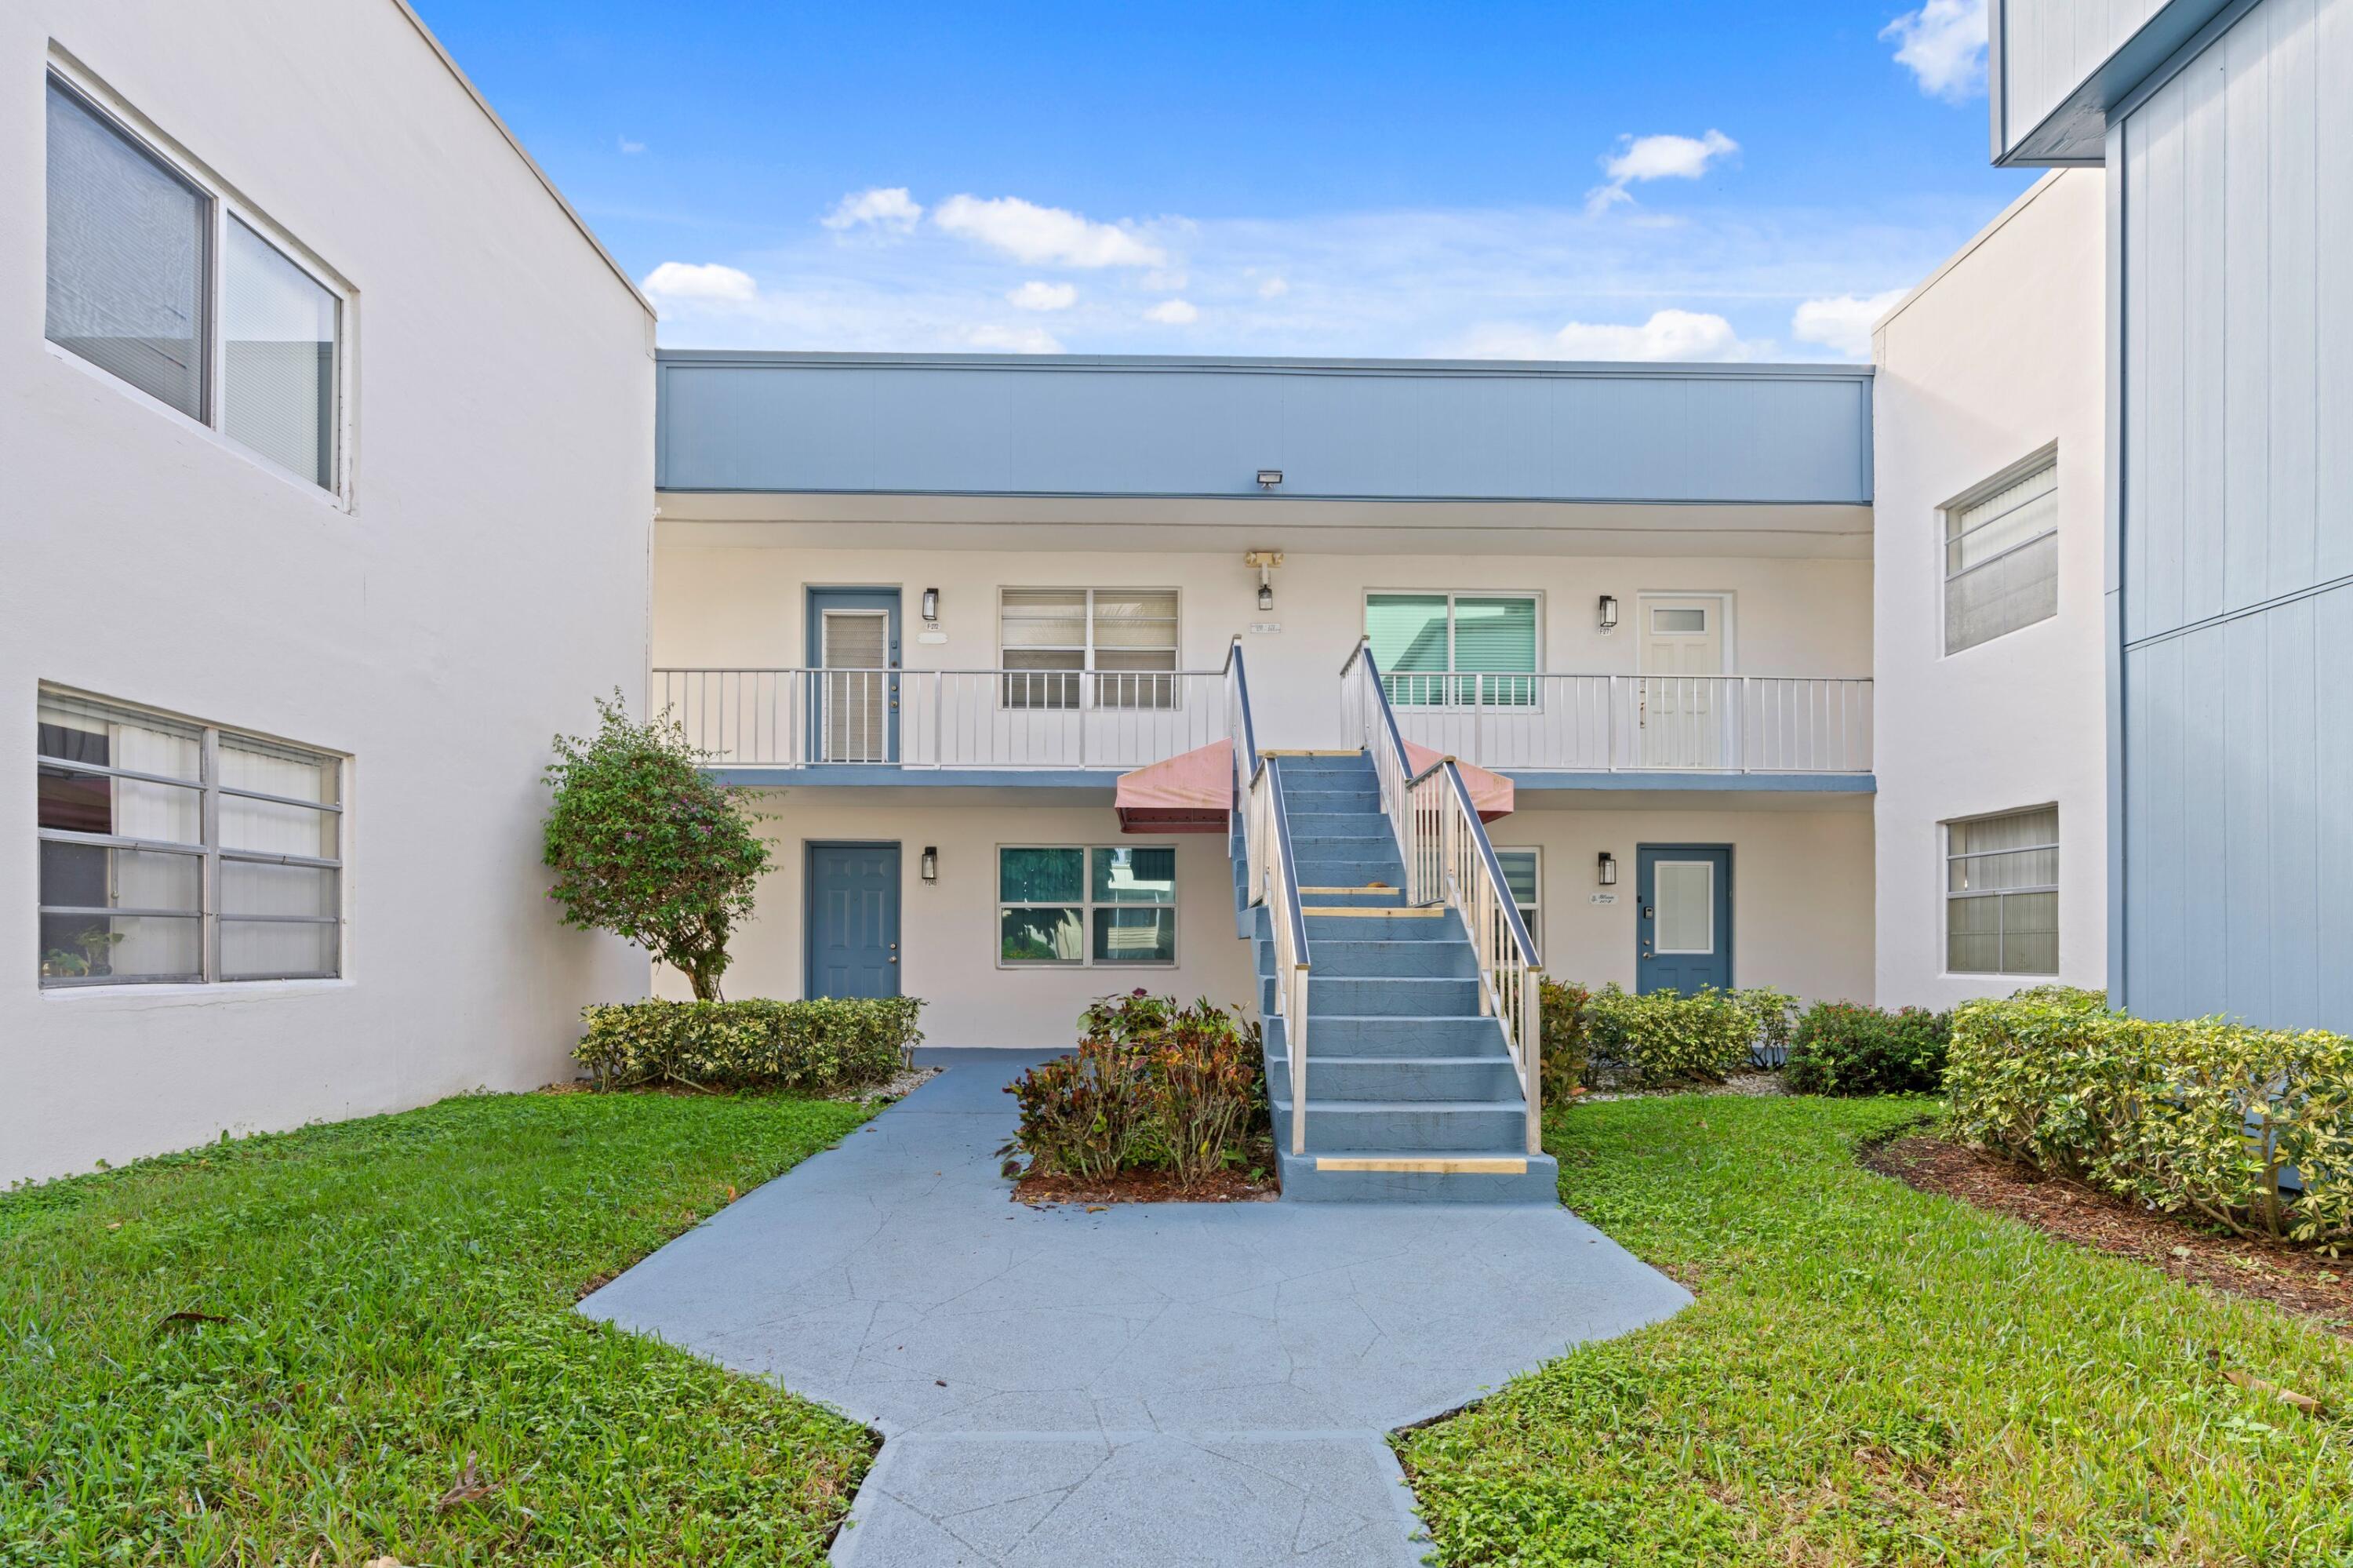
(886,207)
(1173,312)
(1944,44)
(1045,236)
(1013,340)
(629,146)
(1641,158)
(1034,295)
(706,283)
(1274,288)
(1668,335)
(1842,323)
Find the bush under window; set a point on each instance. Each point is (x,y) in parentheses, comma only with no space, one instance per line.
(1846,1048)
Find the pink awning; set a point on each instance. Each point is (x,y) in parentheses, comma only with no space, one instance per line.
(1491,793)
(1188,793)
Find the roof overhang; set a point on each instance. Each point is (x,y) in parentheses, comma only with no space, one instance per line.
(2074,132)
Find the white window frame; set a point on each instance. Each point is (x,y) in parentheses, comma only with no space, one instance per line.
(222,203)
(210,853)
(1950,897)
(1090,690)
(1535,904)
(2032,463)
(1086,904)
(1534,677)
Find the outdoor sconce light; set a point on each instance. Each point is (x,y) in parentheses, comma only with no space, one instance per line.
(1265,561)
(1608,612)
(1605,868)
(1267,477)
(932,605)
(931,862)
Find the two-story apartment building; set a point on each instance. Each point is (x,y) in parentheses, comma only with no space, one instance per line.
(938,608)
(328,458)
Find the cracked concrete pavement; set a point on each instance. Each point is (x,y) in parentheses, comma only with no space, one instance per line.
(1175,1385)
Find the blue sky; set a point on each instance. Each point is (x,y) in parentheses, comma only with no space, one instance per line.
(1704,181)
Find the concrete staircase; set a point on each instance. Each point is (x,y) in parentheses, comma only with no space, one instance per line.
(1411,1093)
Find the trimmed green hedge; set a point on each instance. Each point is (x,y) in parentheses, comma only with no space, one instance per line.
(820,1047)
(1846,1048)
(2202,1116)
(1667,1037)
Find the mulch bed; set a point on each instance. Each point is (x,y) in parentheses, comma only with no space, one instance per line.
(2305,1282)
(1143,1187)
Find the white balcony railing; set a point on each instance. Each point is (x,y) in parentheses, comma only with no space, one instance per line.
(1711,724)
(945,718)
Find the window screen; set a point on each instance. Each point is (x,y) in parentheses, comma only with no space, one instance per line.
(2001,560)
(126,256)
(2002,894)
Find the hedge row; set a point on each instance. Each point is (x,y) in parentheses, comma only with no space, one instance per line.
(1846,1048)
(1663,1037)
(2204,1116)
(818,1047)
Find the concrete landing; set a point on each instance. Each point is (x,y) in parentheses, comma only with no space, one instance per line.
(1177,1384)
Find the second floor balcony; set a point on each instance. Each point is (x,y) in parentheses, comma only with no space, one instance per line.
(849,722)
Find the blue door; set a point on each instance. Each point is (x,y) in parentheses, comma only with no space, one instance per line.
(1682,926)
(853,687)
(852,920)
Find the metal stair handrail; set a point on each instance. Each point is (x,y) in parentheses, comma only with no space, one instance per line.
(1449,859)
(1273,881)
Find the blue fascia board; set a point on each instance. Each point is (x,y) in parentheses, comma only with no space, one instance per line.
(2074,134)
(743,421)
(1545,781)
(834,775)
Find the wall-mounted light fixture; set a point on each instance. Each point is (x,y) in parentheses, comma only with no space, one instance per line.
(1605,869)
(1265,561)
(931,862)
(1267,477)
(932,605)
(1608,612)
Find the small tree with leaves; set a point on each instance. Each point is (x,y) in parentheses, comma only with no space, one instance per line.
(643,843)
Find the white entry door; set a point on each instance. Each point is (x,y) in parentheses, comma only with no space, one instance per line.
(1685,702)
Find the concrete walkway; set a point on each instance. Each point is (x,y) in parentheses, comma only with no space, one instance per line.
(1165,1384)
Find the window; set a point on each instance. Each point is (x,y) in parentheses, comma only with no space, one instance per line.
(2002,894)
(2002,557)
(1086,906)
(156,280)
(1454,650)
(174,851)
(1524,875)
(1102,648)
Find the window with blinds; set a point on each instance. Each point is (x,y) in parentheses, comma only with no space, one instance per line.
(2002,558)
(2002,894)
(135,241)
(1454,650)
(1088,648)
(172,851)
(1522,875)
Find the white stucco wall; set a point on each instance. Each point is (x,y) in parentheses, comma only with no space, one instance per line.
(1996,357)
(488,577)
(745,606)
(1802,912)
(948,929)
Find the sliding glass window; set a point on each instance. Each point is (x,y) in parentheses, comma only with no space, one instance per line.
(1454,650)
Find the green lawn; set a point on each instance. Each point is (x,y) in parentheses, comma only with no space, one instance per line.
(1873,1375)
(395,1295)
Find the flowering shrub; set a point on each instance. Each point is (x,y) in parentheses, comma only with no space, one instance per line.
(2251,1128)
(820,1047)
(1846,1048)
(1153,1085)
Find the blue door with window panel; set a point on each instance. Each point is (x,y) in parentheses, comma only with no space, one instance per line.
(852,691)
(1683,918)
(852,920)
